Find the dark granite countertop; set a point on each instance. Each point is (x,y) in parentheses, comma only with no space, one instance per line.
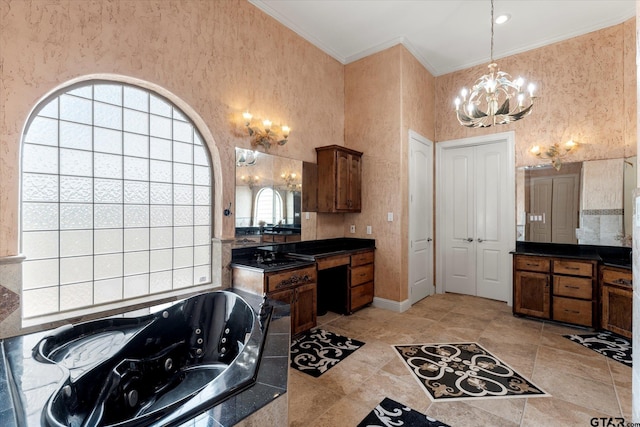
(615,256)
(297,254)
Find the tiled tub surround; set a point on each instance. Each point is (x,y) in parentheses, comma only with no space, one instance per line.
(601,227)
(10,291)
(23,375)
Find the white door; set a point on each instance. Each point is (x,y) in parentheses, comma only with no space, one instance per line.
(492,212)
(459,255)
(476,216)
(420,217)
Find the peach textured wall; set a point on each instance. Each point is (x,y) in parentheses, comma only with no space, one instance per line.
(219,57)
(386,94)
(372,125)
(585,88)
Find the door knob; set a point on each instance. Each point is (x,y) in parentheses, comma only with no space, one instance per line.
(480,240)
(469,239)
(429,239)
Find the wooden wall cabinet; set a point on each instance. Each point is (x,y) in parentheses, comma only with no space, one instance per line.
(339,179)
(616,300)
(559,289)
(296,287)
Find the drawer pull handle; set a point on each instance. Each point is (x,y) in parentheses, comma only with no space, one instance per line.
(293,280)
(572,287)
(572,268)
(363,274)
(571,311)
(623,282)
(531,264)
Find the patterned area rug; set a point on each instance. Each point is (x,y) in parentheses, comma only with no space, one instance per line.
(606,343)
(391,413)
(464,371)
(316,351)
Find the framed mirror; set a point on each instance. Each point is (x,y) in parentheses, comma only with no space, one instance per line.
(268,198)
(586,202)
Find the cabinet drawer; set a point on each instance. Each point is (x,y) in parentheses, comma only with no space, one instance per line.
(290,278)
(361,258)
(575,268)
(533,263)
(574,311)
(361,274)
(616,277)
(361,295)
(574,287)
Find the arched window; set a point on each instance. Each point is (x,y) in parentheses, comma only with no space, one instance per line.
(268,206)
(115,201)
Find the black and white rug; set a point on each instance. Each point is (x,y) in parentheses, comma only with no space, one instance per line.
(606,343)
(391,413)
(316,351)
(464,371)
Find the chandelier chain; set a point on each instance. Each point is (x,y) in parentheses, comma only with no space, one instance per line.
(491,32)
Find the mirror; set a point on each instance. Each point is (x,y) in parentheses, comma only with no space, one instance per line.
(586,202)
(268,198)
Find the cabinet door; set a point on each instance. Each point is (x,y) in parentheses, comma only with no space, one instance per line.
(532,294)
(617,310)
(355,191)
(342,180)
(304,314)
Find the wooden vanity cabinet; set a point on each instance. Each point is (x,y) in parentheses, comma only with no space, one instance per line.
(532,286)
(558,289)
(616,300)
(339,179)
(574,299)
(296,287)
(361,269)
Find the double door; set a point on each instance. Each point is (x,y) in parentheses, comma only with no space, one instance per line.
(477,218)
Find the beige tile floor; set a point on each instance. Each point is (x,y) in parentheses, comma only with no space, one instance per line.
(583,383)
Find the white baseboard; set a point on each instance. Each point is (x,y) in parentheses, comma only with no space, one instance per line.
(387,304)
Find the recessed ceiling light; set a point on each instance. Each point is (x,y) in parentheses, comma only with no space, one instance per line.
(501,19)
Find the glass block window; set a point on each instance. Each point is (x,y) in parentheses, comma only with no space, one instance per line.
(115,200)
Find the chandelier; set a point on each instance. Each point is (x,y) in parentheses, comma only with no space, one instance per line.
(494,99)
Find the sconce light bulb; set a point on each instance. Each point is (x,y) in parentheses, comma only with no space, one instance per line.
(267,125)
(457,102)
(285,130)
(535,149)
(293,175)
(247,117)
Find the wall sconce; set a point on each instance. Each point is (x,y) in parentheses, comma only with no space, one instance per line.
(250,180)
(290,181)
(555,152)
(267,136)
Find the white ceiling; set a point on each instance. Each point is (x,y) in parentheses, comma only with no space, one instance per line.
(444,35)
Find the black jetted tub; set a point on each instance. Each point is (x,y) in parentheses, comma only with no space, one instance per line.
(159,369)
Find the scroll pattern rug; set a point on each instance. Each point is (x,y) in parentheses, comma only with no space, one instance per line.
(316,351)
(464,371)
(606,343)
(391,413)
